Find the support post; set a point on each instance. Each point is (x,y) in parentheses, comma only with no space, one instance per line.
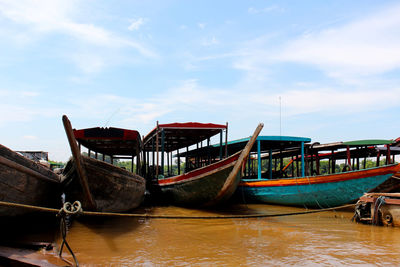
(270,164)
(157,157)
(162,150)
(259,159)
(302,160)
(226,140)
(220,145)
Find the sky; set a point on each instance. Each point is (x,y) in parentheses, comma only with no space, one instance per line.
(328,70)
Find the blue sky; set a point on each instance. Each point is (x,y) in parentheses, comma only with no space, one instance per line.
(330,68)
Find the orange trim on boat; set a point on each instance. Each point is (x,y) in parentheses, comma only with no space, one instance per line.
(330,178)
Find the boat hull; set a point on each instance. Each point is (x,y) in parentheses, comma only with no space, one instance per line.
(113,189)
(207,186)
(316,192)
(25,182)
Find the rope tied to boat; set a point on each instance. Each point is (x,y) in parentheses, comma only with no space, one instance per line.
(71,209)
(164,216)
(68,210)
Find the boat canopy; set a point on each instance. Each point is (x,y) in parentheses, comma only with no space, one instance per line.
(266,144)
(110,141)
(369,142)
(174,136)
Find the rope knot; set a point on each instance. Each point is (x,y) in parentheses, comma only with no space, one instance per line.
(70,209)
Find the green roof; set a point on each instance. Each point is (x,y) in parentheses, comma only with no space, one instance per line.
(368,142)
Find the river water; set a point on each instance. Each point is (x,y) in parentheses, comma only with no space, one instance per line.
(318,239)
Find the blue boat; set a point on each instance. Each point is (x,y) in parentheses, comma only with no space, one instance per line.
(296,178)
(290,170)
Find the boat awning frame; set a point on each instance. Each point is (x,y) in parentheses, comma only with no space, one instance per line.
(181,135)
(110,141)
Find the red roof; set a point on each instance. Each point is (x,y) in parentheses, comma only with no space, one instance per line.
(191,125)
(110,141)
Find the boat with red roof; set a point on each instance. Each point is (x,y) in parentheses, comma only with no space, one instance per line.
(98,185)
(200,181)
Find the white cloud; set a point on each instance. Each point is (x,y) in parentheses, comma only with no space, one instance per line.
(201,25)
(136,24)
(363,47)
(253,10)
(59,17)
(327,100)
(29,94)
(210,42)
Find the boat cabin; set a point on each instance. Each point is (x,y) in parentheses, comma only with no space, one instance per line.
(113,142)
(166,141)
(288,156)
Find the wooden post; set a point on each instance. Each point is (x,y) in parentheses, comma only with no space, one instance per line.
(378,158)
(258,159)
(78,162)
(270,164)
(132,158)
(157,151)
(162,151)
(220,145)
(186,160)
(226,140)
(387,154)
(302,160)
(144,174)
(179,162)
(208,151)
(348,157)
(292,167)
(153,153)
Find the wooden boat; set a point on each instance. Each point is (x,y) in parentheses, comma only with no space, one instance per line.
(378,209)
(287,183)
(203,183)
(24,181)
(101,186)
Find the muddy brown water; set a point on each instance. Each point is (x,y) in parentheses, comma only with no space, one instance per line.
(319,239)
(327,238)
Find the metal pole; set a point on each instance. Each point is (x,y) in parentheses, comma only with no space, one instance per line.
(259,158)
(270,164)
(302,159)
(162,150)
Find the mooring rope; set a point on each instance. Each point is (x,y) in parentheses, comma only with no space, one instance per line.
(163,216)
(68,209)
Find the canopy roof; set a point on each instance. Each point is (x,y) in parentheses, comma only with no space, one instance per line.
(266,143)
(180,135)
(110,141)
(366,148)
(356,143)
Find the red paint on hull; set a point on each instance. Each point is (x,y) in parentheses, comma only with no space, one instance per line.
(199,172)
